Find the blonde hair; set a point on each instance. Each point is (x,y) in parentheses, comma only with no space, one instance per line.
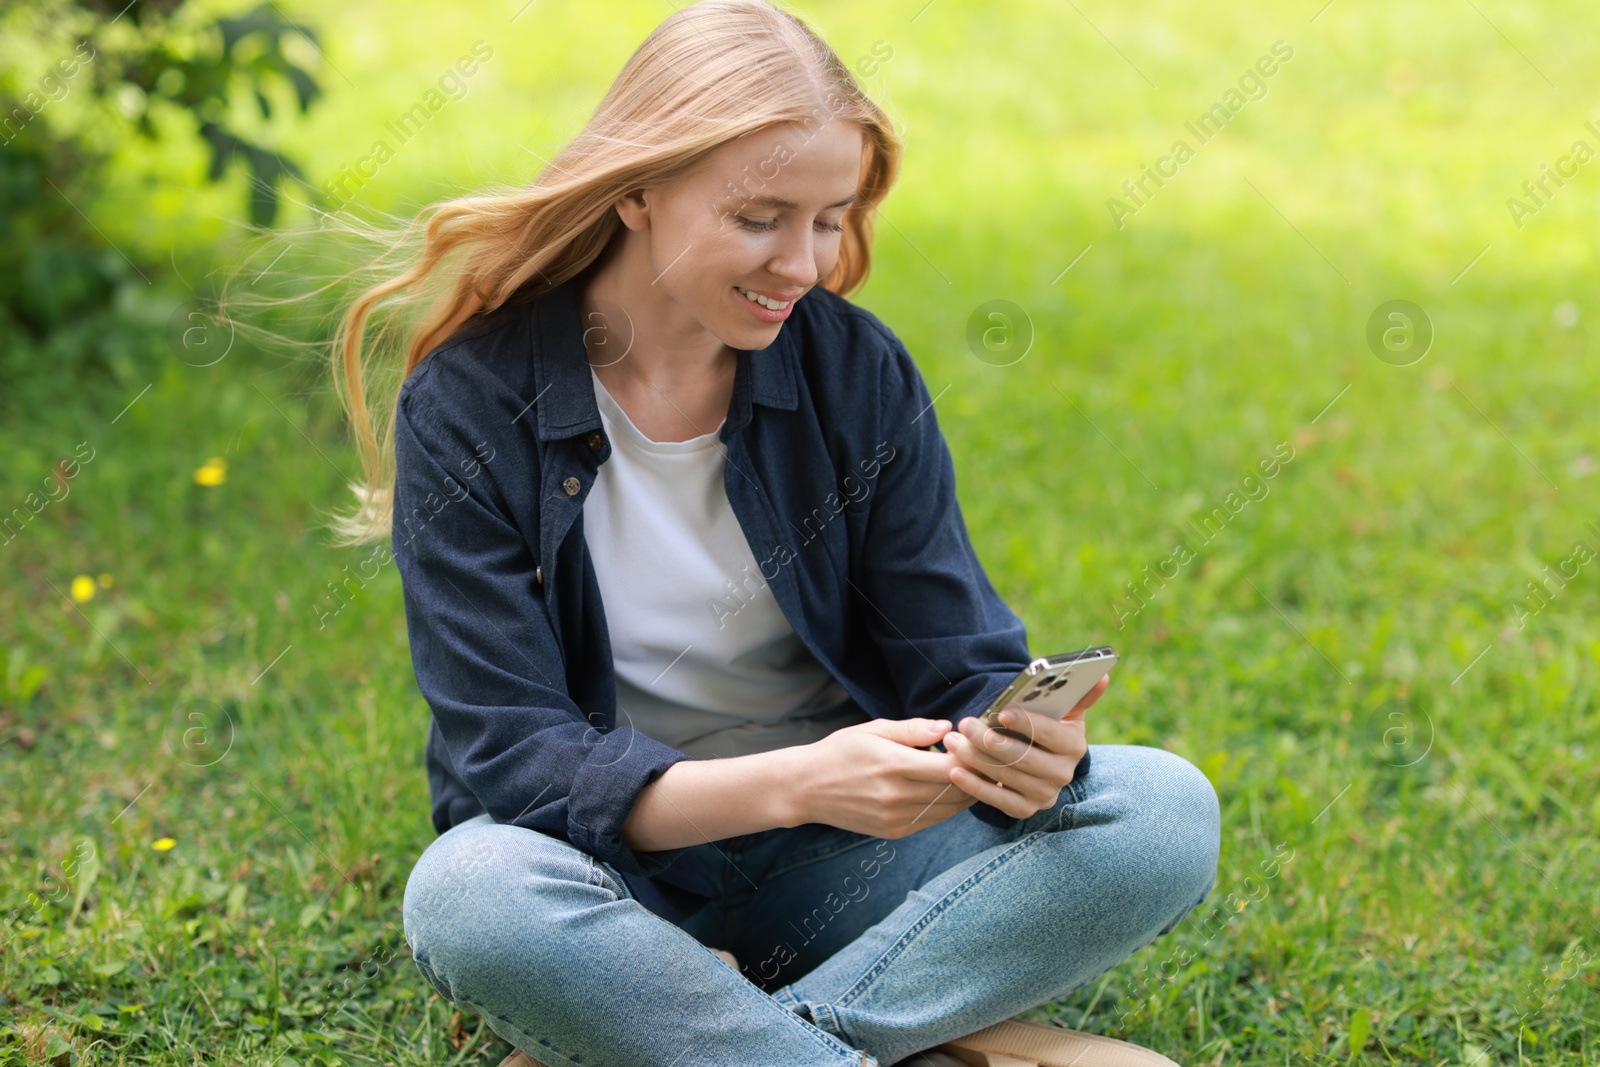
(711,72)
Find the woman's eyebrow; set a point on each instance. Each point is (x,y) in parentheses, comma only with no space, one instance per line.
(778,201)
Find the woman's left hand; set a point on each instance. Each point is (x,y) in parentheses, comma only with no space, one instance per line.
(1020,777)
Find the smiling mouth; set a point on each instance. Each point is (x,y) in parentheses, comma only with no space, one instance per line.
(766,302)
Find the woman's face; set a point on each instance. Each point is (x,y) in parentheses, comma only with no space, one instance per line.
(763,213)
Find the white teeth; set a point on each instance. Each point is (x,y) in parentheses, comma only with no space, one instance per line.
(775,305)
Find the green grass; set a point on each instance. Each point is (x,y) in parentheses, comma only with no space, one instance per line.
(1431,811)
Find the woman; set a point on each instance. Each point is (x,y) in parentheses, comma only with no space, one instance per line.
(693,604)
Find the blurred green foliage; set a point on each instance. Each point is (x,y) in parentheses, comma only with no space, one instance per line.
(68,293)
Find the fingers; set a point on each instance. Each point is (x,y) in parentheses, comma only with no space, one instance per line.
(928,764)
(1040,732)
(992,755)
(1091,696)
(950,800)
(941,800)
(992,793)
(1029,771)
(1037,739)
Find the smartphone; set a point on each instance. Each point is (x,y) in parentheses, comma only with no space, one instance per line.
(1052,685)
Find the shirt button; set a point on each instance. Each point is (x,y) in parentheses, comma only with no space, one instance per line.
(595,440)
(538,574)
(571,485)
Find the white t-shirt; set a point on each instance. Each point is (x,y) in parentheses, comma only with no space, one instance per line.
(705,660)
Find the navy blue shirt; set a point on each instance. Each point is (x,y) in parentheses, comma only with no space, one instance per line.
(839,477)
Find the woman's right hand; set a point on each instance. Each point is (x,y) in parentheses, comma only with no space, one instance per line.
(874,778)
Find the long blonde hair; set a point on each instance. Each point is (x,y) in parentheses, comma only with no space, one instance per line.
(711,72)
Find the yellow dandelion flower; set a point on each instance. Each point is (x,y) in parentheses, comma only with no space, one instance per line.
(82,588)
(104,580)
(213,471)
(163,844)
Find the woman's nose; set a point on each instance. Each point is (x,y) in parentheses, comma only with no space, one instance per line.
(796,262)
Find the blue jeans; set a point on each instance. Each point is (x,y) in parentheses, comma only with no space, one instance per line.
(855,950)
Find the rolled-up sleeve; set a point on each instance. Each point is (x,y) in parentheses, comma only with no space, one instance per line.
(951,643)
(483,648)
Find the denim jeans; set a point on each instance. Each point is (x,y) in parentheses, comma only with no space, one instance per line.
(855,950)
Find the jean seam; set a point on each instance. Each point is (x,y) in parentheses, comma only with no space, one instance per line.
(533,1042)
(1064,811)
(812,1030)
(432,979)
(1080,795)
(927,918)
(602,878)
(823,1021)
(821,1036)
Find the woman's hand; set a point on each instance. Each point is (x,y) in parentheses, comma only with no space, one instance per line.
(875,779)
(1020,777)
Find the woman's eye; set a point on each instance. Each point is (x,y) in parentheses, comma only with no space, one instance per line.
(764,225)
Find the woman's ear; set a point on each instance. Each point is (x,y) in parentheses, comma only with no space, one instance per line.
(634,210)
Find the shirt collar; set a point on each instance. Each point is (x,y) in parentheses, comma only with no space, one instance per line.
(564,392)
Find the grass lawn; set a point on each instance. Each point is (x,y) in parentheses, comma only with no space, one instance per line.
(1384,655)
